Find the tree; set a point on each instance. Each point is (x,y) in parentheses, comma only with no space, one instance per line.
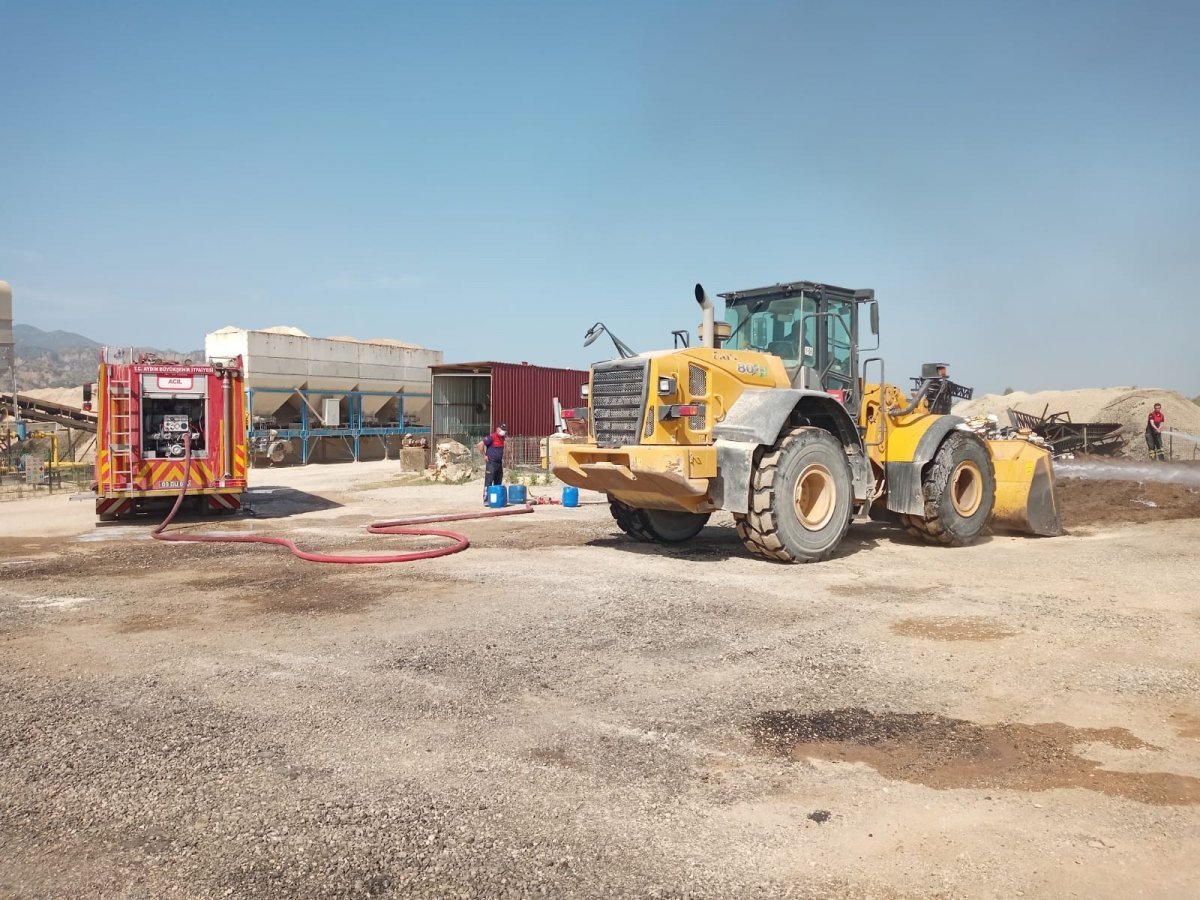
(1008,391)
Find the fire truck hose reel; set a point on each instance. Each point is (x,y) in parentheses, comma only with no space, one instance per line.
(396,526)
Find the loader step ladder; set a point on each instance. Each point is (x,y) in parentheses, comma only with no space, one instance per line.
(120,426)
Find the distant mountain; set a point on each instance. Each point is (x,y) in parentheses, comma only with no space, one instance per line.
(51,359)
(30,340)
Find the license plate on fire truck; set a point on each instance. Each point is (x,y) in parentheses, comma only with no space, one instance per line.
(175,423)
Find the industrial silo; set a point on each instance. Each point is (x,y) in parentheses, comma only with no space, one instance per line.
(333,397)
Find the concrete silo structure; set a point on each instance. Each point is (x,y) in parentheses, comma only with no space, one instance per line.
(337,398)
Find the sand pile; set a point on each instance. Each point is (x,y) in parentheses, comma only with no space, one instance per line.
(70,396)
(1125,406)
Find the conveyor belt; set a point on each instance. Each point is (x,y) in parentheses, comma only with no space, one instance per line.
(34,410)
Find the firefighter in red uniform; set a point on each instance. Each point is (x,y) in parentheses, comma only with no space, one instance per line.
(492,448)
(1154,426)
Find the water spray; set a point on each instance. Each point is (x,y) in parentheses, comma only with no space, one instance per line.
(1182,435)
(1096,470)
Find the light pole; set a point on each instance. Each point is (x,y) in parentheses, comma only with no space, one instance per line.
(8,353)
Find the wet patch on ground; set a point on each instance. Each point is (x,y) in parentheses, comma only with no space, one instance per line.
(305,588)
(21,551)
(522,532)
(311,599)
(945,753)
(952,628)
(1097,502)
(885,591)
(146,623)
(137,558)
(554,756)
(1186,724)
(299,587)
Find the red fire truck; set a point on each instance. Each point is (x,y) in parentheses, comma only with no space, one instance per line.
(146,407)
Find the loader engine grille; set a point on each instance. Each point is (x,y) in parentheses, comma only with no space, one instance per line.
(617,400)
(697,388)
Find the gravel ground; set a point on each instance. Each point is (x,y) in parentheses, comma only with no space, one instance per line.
(559,712)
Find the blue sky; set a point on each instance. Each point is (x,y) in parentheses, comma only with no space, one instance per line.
(1017,181)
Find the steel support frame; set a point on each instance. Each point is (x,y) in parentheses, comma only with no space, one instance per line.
(354,430)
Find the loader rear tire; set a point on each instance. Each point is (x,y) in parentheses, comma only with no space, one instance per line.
(801,499)
(657,526)
(960,489)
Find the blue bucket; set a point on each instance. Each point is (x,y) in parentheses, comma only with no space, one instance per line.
(516,494)
(497,496)
(570,496)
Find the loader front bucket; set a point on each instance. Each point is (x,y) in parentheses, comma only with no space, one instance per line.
(1025,499)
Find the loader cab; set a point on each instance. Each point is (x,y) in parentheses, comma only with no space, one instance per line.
(812,327)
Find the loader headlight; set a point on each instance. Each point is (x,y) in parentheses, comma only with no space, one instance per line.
(584,391)
(666,384)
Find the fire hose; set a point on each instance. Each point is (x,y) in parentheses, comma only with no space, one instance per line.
(395,526)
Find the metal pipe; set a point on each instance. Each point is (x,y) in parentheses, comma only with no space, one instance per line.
(916,399)
(708,331)
(8,349)
(228,448)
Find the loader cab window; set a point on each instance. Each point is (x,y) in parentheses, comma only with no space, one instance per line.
(838,335)
(784,327)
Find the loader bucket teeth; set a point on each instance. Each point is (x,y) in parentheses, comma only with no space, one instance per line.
(1025,498)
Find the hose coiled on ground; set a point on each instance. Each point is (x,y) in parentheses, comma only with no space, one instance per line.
(394,526)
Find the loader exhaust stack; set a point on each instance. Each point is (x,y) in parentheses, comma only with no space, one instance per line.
(707,338)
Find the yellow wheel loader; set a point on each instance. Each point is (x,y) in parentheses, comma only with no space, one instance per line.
(774,419)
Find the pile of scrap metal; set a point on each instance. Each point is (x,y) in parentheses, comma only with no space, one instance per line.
(989,428)
(1065,437)
(939,390)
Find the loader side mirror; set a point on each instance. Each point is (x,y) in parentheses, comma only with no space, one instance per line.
(874,317)
(592,333)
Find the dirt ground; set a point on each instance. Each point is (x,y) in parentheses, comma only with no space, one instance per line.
(560,712)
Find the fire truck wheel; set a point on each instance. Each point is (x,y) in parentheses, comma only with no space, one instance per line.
(960,489)
(801,498)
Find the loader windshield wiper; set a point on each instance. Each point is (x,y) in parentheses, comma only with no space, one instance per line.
(757,307)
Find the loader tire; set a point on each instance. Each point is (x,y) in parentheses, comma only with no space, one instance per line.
(908,524)
(959,489)
(656,526)
(801,499)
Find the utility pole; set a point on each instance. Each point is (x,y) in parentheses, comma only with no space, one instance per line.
(8,353)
